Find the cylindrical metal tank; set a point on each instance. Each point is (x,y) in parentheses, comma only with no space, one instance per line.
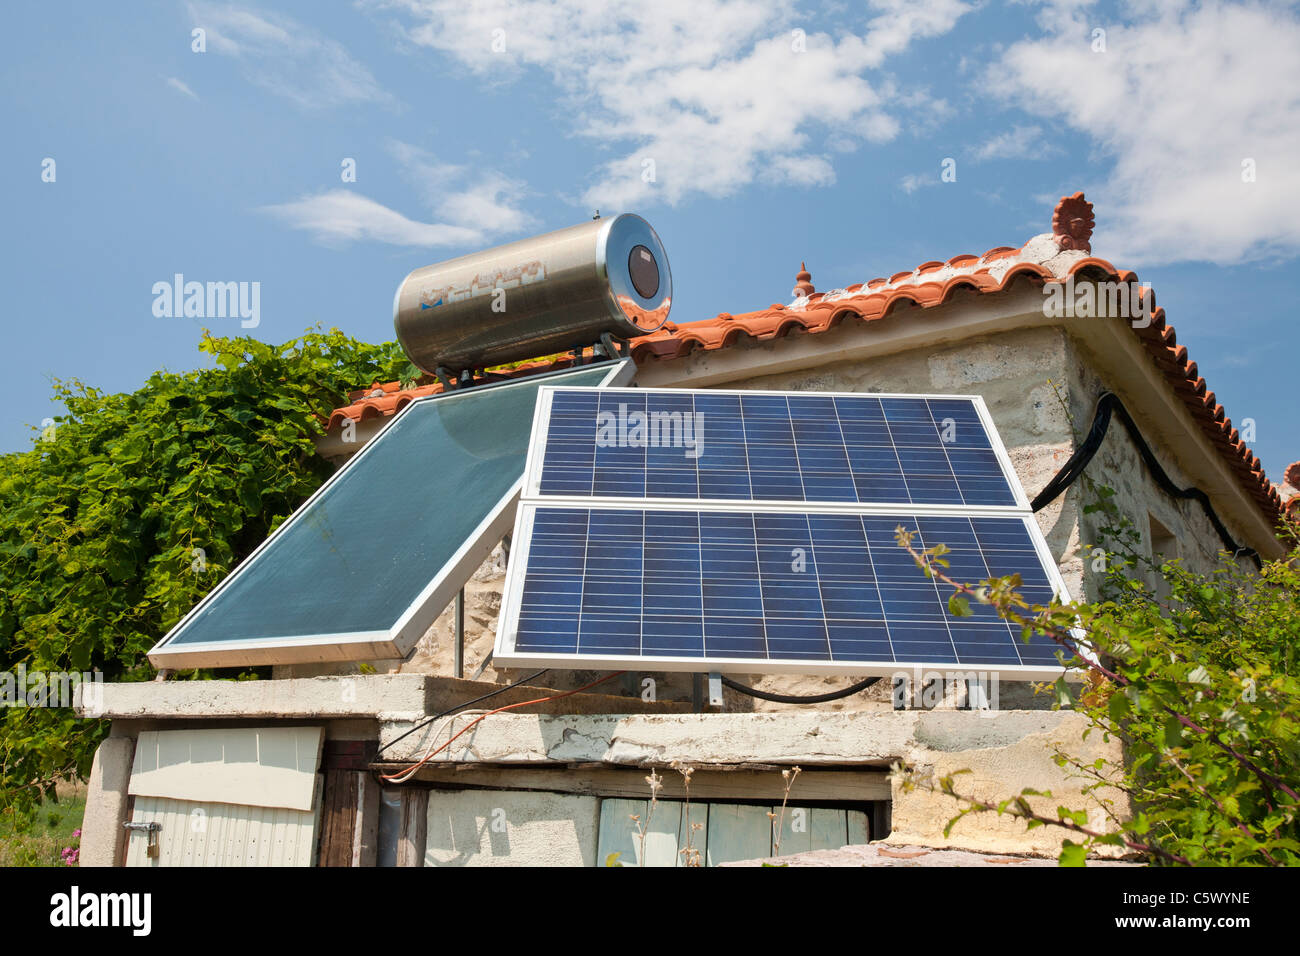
(534,297)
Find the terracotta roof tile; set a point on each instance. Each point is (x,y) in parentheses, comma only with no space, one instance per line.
(385,399)
(1052,257)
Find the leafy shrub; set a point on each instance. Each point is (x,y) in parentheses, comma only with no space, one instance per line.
(120,518)
(1195,674)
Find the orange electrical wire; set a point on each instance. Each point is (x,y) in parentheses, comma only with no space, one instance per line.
(523,703)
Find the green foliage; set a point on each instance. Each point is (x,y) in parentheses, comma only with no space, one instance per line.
(1204,699)
(120,518)
(1196,675)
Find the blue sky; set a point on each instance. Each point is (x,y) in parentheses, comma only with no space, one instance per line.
(225,164)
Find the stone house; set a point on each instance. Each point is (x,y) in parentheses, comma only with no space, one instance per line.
(1043,332)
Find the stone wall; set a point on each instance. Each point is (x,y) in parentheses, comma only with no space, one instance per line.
(1118,465)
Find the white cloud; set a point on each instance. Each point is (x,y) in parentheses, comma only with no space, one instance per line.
(713,91)
(914,181)
(489,204)
(1019,142)
(181,86)
(287,58)
(471,206)
(482,199)
(799,171)
(1180,98)
(337,217)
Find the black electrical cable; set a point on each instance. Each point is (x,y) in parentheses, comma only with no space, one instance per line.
(1106,404)
(458,707)
(789,699)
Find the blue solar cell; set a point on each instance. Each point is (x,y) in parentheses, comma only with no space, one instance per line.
(769,585)
(774,582)
(670,444)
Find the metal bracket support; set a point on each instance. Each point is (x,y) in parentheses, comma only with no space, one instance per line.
(715,689)
(484,666)
(608,346)
(459,660)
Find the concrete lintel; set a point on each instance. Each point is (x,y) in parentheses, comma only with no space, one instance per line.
(808,739)
(377,696)
(391,696)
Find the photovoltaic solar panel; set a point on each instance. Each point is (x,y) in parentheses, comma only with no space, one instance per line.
(768,586)
(737,446)
(756,531)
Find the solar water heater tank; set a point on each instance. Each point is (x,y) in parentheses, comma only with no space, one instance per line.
(551,293)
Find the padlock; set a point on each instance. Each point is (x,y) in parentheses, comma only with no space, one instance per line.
(152,849)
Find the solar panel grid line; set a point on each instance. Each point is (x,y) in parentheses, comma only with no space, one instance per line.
(934,581)
(811,507)
(989,575)
(582,580)
(641,627)
(926,544)
(1015,645)
(799,441)
(921,469)
(749,468)
(880,598)
(812,550)
(893,445)
(794,438)
(964,652)
(947,458)
(892,662)
(814,508)
(839,425)
(762,604)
